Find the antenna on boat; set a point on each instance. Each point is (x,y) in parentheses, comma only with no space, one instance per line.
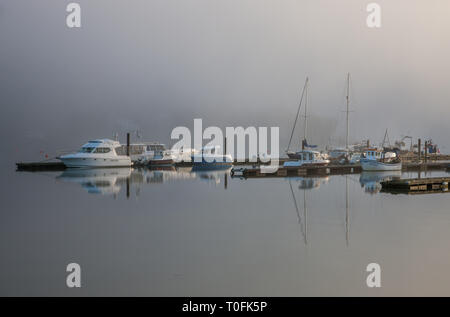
(298,111)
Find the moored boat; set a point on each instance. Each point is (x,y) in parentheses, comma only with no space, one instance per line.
(377,160)
(162,161)
(210,158)
(297,155)
(181,155)
(97,153)
(153,154)
(307,158)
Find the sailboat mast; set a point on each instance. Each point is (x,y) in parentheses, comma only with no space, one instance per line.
(348,102)
(306,120)
(386,137)
(298,111)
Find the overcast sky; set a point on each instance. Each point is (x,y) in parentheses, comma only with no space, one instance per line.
(156,64)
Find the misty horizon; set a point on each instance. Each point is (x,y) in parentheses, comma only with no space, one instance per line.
(156,65)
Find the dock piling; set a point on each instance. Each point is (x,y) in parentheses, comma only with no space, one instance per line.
(419,147)
(128,144)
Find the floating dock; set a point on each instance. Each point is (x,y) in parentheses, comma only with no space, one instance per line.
(416,185)
(256,171)
(247,172)
(40,166)
(296,171)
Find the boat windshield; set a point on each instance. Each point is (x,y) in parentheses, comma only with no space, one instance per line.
(102,150)
(307,156)
(156,147)
(86,150)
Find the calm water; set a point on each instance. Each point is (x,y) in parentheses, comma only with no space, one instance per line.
(180,233)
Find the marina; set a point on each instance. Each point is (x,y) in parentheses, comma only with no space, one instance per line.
(410,166)
(353,159)
(207,151)
(329,170)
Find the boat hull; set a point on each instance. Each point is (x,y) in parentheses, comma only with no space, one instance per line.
(162,162)
(373,165)
(211,162)
(305,164)
(206,166)
(96,162)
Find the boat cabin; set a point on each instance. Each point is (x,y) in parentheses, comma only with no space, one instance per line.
(146,149)
(101,146)
(373,154)
(307,155)
(376,154)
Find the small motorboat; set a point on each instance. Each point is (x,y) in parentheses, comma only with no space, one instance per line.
(355,158)
(211,158)
(154,154)
(181,155)
(97,153)
(160,161)
(378,160)
(307,158)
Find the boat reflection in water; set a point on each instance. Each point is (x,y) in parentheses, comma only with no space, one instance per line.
(110,181)
(150,176)
(213,176)
(371,180)
(309,182)
(105,181)
(304,184)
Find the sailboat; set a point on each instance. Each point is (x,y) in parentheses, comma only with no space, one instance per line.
(304,156)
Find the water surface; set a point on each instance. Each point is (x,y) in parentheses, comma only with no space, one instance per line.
(180,233)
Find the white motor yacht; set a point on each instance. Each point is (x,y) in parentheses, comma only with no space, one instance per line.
(97,153)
